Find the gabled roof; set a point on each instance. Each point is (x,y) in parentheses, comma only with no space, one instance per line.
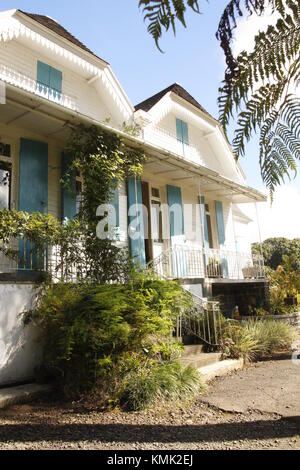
(60,30)
(179,91)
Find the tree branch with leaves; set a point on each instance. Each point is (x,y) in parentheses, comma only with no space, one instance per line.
(261,87)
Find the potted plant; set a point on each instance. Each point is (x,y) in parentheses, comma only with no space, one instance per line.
(214,268)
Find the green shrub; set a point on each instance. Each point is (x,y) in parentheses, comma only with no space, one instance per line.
(162,382)
(102,336)
(255,338)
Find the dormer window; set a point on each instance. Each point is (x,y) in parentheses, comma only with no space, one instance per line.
(182,133)
(49,82)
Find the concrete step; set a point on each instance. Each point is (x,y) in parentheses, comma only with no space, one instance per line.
(193,350)
(22,394)
(220,369)
(201,360)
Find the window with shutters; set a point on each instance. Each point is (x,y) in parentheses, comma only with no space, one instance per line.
(49,82)
(182,133)
(209,227)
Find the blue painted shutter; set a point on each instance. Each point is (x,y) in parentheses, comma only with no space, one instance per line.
(49,80)
(179,263)
(33,183)
(137,246)
(55,79)
(220,223)
(221,236)
(182,131)
(179,130)
(185,133)
(43,78)
(174,197)
(204,222)
(33,194)
(68,194)
(114,201)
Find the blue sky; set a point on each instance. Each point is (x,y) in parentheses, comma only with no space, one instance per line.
(115,31)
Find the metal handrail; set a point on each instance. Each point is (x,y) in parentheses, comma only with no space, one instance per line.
(203,321)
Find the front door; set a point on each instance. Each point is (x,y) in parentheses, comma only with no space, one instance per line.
(33,194)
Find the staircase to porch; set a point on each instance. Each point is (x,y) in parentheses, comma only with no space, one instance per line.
(195,355)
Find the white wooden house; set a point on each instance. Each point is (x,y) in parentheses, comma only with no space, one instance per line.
(51,79)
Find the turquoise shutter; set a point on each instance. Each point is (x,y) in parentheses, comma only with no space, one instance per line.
(55,80)
(221,235)
(204,222)
(43,78)
(220,223)
(185,133)
(55,83)
(33,194)
(174,197)
(114,201)
(68,194)
(179,130)
(182,131)
(179,263)
(134,195)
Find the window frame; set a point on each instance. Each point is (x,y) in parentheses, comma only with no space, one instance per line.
(8,161)
(208,216)
(156,200)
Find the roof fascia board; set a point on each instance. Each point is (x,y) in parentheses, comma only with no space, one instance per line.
(51,35)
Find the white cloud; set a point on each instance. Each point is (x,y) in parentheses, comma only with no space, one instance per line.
(282,219)
(248,27)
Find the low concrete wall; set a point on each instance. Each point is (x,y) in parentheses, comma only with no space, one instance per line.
(292,319)
(20,349)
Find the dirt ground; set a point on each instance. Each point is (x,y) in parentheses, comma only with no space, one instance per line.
(256,408)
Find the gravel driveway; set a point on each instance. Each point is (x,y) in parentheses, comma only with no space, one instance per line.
(203,425)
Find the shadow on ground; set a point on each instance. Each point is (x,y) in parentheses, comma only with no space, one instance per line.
(255,430)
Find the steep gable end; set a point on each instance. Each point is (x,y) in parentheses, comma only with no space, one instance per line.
(178,90)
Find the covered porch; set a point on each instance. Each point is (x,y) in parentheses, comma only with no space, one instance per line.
(206,240)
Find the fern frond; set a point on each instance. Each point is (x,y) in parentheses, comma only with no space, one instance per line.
(162,14)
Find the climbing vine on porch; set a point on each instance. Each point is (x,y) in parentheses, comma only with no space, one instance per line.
(103,160)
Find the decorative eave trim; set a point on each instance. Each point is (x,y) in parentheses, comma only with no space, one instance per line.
(12,28)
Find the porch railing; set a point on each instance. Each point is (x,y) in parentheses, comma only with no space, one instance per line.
(197,262)
(166,139)
(22,256)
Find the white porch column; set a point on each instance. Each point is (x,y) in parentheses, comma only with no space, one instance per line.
(260,237)
(235,241)
(202,215)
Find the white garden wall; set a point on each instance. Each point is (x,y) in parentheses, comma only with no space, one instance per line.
(20,348)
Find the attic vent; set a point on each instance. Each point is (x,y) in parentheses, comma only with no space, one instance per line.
(4,150)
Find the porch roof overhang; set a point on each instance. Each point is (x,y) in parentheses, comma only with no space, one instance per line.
(51,120)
